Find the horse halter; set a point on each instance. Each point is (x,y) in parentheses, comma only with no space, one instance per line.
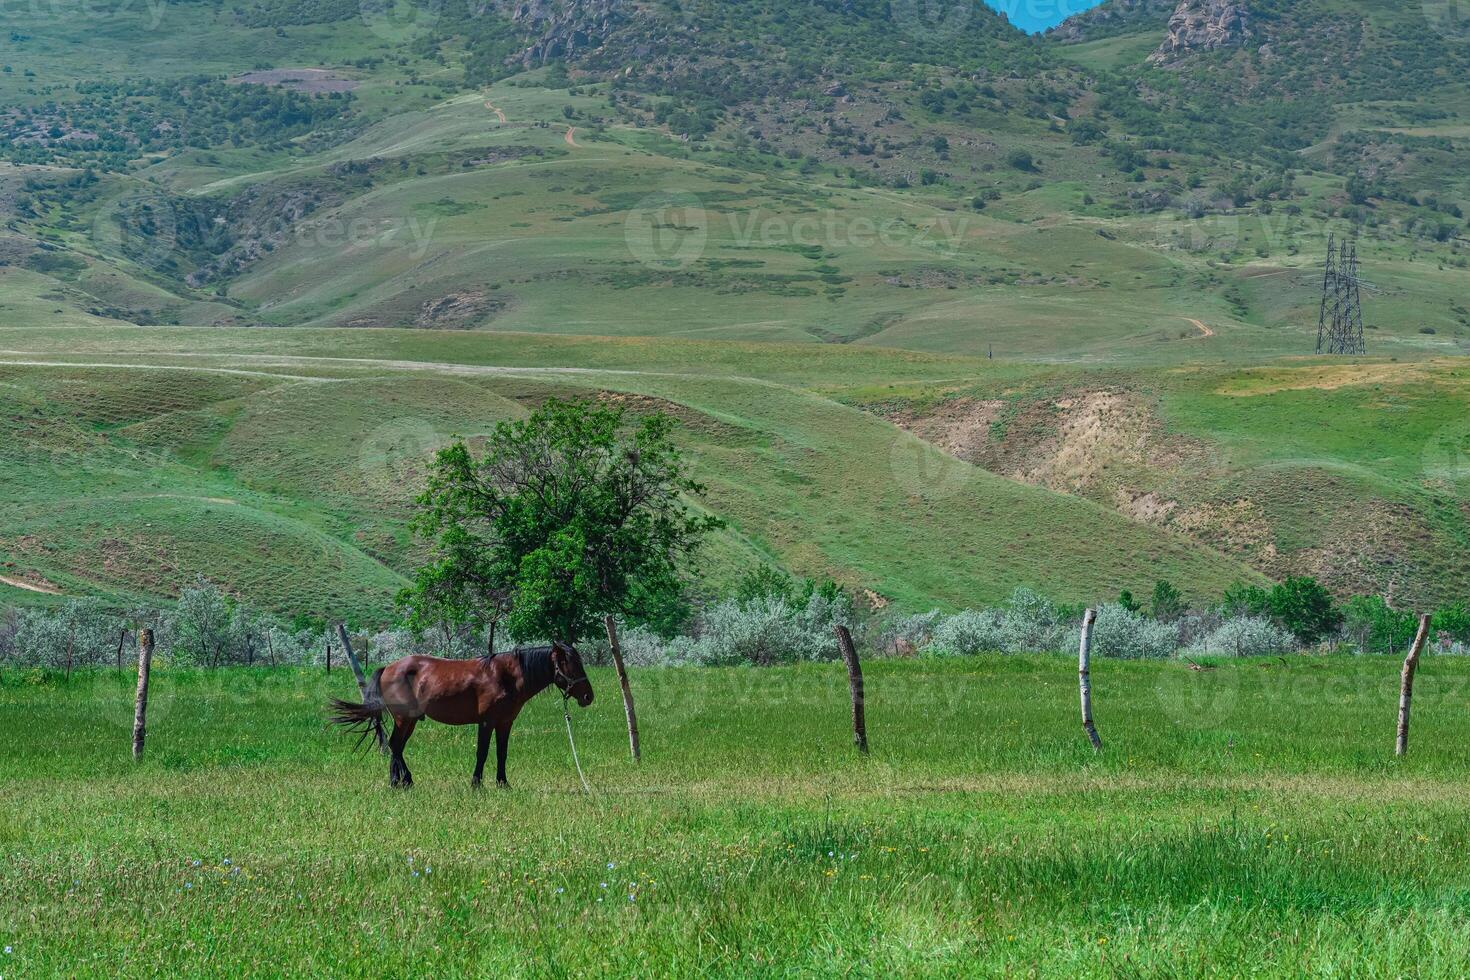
(563,682)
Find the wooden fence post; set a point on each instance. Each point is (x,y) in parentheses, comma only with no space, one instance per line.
(855,686)
(329,655)
(1084,679)
(617,656)
(140,706)
(351,660)
(1406,684)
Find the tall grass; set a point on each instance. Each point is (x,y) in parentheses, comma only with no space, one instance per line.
(1249,819)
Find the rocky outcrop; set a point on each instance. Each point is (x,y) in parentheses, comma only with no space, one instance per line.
(566,28)
(1203,25)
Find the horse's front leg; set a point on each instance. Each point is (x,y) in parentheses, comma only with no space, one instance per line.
(481,751)
(502,745)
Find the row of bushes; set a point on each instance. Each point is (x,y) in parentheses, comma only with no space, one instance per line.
(771,620)
(206,628)
(775,629)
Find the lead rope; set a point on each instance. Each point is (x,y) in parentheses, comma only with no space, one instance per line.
(567,715)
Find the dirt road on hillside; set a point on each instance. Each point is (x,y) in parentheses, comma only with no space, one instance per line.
(22,584)
(1204,331)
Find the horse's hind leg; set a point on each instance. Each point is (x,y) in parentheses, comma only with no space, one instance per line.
(398,774)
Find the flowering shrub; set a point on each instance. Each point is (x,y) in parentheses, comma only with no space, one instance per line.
(763,630)
(970,632)
(1127,635)
(1246,636)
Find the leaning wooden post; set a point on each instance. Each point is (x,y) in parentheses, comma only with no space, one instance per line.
(617,655)
(329,655)
(351,659)
(1406,684)
(140,706)
(1084,679)
(855,686)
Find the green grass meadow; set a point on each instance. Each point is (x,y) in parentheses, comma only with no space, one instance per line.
(1245,820)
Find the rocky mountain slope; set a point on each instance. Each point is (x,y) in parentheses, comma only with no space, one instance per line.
(1204,25)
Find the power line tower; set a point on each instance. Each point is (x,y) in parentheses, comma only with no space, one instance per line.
(1340,318)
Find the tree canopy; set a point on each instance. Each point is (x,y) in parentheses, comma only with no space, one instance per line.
(571,514)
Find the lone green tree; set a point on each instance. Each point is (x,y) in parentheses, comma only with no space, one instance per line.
(1168,603)
(570,518)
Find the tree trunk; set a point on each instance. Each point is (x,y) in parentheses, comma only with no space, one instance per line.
(1406,684)
(140,706)
(329,655)
(617,655)
(270,644)
(1084,679)
(351,659)
(855,686)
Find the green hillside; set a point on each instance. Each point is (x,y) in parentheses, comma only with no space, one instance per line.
(177,466)
(817,232)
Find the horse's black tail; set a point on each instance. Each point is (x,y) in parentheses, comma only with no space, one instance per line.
(367,718)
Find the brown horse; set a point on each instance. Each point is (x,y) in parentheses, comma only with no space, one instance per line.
(487,691)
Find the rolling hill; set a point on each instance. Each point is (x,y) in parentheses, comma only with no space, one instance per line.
(249,246)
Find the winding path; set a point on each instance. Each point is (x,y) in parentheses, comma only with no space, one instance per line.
(1204,331)
(571,137)
(29,586)
(499,113)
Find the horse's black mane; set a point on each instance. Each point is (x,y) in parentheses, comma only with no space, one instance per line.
(535,663)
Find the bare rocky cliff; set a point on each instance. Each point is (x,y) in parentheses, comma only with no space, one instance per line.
(1204,25)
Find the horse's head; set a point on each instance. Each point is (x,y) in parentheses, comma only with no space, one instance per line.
(571,676)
